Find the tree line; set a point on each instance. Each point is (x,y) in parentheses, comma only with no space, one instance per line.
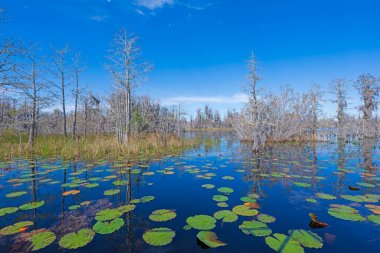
(291,115)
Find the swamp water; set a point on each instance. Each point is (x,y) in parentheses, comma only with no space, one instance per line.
(175,204)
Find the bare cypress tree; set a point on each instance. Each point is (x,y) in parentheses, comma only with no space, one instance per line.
(77,70)
(368,89)
(253,78)
(128,70)
(315,99)
(8,52)
(31,84)
(60,64)
(339,90)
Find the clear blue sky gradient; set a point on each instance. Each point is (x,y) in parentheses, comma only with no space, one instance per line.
(199,48)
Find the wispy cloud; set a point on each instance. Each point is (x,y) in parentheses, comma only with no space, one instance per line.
(98,18)
(153,4)
(237,98)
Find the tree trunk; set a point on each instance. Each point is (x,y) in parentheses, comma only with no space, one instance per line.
(32,132)
(63,104)
(76,102)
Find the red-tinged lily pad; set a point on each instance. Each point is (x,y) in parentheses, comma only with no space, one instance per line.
(210,239)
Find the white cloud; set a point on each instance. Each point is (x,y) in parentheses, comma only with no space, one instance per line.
(153,4)
(237,98)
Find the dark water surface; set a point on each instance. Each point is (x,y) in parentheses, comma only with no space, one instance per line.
(284,176)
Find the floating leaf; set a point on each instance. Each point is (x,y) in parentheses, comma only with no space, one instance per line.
(42,240)
(266,218)
(162,215)
(201,222)
(300,184)
(126,208)
(210,239)
(307,239)
(311,200)
(244,210)
(159,236)
(374,218)
(15,228)
(72,192)
(15,194)
(108,214)
(208,186)
(255,228)
(220,198)
(283,244)
(226,216)
(8,210)
(32,205)
(225,190)
(366,185)
(325,196)
(248,199)
(345,213)
(105,228)
(74,207)
(111,192)
(78,239)
(222,204)
(147,199)
(315,223)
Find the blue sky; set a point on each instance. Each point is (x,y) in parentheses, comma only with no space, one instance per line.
(199,48)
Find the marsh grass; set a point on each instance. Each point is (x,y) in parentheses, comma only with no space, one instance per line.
(94,146)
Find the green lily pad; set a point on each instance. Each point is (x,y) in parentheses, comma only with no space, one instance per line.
(108,214)
(266,218)
(126,208)
(162,215)
(146,199)
(325,196)
(92,185)
(283,244)
(78,239)
(311,200)
(226,216)
(159,236)
(105,228)
(248,199)
(120,182)
(15,194)
(220,198)
(366,185)
(8,210)
(306,238)
(210,239)
(222,204)
(255,228)
(32,205)
(201,222)
(225,190)
(374,218)
(345,213)
(244,210)
(208,186)
(111,192)
(74,207)
(15,228)
(42,240)
(300,184)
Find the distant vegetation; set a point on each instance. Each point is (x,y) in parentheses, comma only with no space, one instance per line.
(33,83)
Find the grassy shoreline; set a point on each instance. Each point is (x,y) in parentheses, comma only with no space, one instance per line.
(94,146)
